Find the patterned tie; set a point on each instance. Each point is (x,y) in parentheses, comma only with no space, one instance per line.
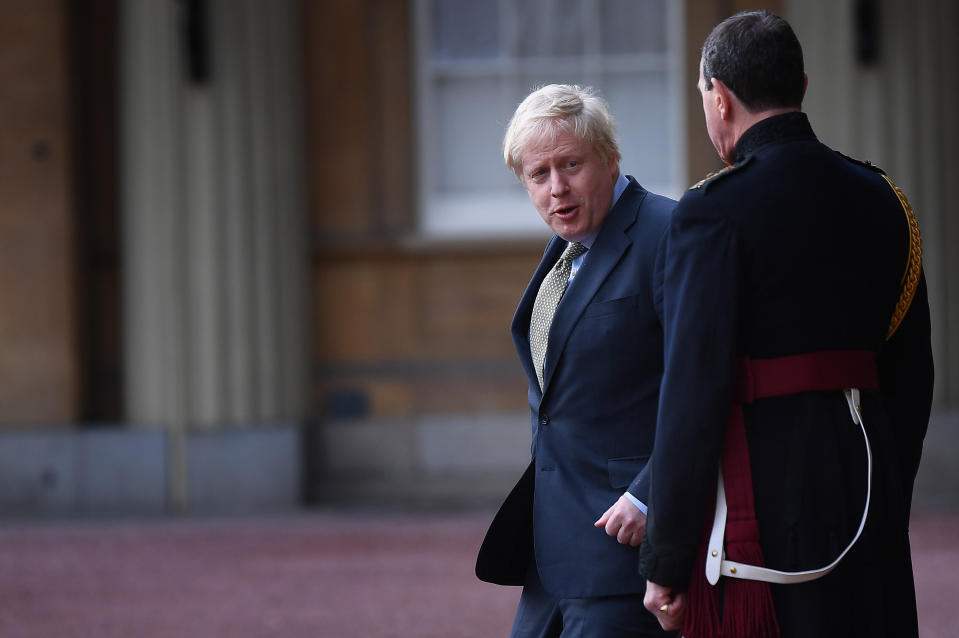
(550,292)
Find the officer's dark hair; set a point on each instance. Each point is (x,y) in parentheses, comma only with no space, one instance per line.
(757,55)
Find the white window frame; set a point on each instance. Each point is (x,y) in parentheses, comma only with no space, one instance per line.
(508,212)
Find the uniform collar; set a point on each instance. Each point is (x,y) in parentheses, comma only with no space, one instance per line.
(778,128)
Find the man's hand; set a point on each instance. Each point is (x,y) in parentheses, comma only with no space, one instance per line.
(625,521)
(668,606)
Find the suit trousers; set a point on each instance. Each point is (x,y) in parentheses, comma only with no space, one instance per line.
(542,615)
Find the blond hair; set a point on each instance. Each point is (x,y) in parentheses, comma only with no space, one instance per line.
(560,108)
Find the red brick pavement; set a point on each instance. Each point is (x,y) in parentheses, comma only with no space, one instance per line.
(330,575)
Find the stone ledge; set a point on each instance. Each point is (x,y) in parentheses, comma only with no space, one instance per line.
(67,471)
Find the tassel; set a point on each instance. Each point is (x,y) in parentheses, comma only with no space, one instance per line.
(748,610)
(702,610)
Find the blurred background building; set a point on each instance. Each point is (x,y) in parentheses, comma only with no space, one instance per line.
(260,254)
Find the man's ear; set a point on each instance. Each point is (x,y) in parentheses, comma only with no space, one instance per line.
(614,168)
(722,99)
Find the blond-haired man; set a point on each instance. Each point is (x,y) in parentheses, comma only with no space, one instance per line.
(588,334)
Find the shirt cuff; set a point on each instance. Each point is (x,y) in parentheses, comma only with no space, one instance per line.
(635,501)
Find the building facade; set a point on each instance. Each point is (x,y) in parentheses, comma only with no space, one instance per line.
(261,254)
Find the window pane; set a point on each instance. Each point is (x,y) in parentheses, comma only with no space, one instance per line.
(465,29)
(548,27)
(640,107)
(525,83)
(468,132)
(633,26)
(484,57)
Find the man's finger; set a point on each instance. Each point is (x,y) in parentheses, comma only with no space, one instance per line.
(674,619)
(604,518)
(656,596)
(615,527)
(667,606)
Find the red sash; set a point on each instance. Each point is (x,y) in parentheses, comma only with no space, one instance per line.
(748,610)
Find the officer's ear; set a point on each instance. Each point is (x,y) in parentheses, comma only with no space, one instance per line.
(722,99)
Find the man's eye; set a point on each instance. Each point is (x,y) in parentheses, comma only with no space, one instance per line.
(573,164)
(538,173)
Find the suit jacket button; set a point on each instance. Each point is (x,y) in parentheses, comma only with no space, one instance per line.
(544,420)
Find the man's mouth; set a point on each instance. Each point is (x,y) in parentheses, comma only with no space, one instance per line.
(565,211)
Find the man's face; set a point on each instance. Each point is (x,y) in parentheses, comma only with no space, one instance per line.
(571,188)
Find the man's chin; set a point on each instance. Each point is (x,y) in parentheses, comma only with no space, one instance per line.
(569,232)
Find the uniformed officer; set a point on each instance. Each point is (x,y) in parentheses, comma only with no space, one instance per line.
(791,276)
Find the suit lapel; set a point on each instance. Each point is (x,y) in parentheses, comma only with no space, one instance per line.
(520,326)
(609,247)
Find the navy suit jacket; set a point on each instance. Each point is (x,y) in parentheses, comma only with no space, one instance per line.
(593,424)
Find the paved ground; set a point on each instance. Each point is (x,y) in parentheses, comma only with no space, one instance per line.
(321,574)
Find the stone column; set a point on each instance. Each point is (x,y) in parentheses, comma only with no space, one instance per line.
(39,378)
(215,261)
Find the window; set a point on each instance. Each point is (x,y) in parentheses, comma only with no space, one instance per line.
(478,60)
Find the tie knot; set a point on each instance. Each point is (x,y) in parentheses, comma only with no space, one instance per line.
(574,250)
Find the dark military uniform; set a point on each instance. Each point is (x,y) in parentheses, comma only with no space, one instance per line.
(795,249)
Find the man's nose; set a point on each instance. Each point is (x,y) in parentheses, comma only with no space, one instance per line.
(557,184)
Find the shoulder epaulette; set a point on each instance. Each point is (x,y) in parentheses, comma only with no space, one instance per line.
(913,270)
(865,163)
(717,175)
